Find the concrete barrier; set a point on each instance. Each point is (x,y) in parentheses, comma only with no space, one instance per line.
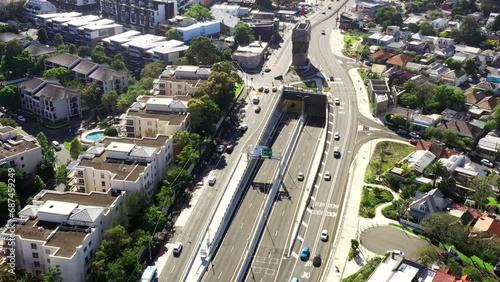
(270,202)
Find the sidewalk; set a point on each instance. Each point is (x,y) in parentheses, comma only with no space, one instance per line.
(352,224)
(362,96)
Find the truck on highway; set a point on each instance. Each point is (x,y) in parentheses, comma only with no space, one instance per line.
(150,274)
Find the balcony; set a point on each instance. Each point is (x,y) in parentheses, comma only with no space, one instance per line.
(77,182)
(76,174)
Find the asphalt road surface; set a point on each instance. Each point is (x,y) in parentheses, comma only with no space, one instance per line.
(229,257)
(278,230)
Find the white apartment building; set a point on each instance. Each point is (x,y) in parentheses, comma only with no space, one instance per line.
(125,164)
(180,80)
(152,115)
(89,72)
(50,100)
(21,152)
(62,229)
(38,7)
(45,21)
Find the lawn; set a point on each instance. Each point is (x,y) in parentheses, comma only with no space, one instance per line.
(67,144)
(387,157)
(493,202)
(474,260)
(238,89)
(364,273)
(307,84)
(371,198)
(349,39)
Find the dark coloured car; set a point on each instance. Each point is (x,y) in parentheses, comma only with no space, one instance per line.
(261,89)
(279,77)
(317,261)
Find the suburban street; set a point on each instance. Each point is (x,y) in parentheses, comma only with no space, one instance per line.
(279,226)
(227,262)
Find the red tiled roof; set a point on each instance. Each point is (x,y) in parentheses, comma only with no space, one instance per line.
(446,276)
(472,97)
(444,153)
(488,224)
(400,60)
(456,206)
(381,54)
(488,103)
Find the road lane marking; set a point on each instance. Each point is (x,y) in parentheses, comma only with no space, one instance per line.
(313,198)
(232,249)
(300,238)
(257,269)
(306,275)
(331,114)
(250,205)
(330,132)
(276,234)
(172,269)
(270,271)
(273,261)
(260,259)
(283,213)
(305,224)
(220,274)
(308,263)
(241,227)
(327,142)
(295,255)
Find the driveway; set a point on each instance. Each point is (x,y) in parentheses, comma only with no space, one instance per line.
(384,238)
(62,156)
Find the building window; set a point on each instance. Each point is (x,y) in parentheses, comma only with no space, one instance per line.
(33,246)
(35,255)
(47,252)
(85,249)
(103,183)
(48,260)
(102,175)
(37,264)
(38,272)
(149,123)
(22,158)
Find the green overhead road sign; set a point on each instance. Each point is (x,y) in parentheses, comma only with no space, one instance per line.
(267,152)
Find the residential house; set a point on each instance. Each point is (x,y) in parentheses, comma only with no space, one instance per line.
(93,33)
(411,20)
(37,49)
(176,22)
(349,20)
(440,24)
(491,19)
(396,46)
(394,267)
(18,151)
(488,224)
(443,42)
(454,78)
(387,39)
(227,21)
(478,16)
(180,80)
(110,80)
(436,148)
(414,67)
(379,93)
(399,61)
(83,6)
(393,30)
(419,160)
(375,38)
(489,145)
(143,16)
(461,168)
(368,9)
(436,71)
(38,7)
(486,87)
(447,276)
(122,164)
(208,28)
(70,29)
(490,56)
(50,100)
(416,46)
(479,60)
(250,56)
(423,121)
(428,203)
(62,229)
(467,215)
(378,69)
(153,115)
(464,49)
(485,106)
(461,127)
(380,57)
(62,60)
(445,53)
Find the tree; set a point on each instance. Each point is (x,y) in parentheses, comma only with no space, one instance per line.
(62,175)
(453,64)
(111,131)
(483,188)
(98,55)
(91,95)
(469,32)
(58,40)
(469,66)
(181,138)
(436,169)
(72,49)
(474,274)
(202,52)
(444,228)
(6,197)
(434,132)
(75,148)
(243,34)
(173,34)
(9,98)
(398,119)
(427,255)
(454,266)
(46,168)
(426,28)
(203,114)
(54,275)
(38,184)
(187,156)
(115,240)
(125,268)
(84,51)
(410,100)
(388,15)
(219,88)
(154,219)
(41,36)
(152,70)
(450,136)
(446,97)
(199,13)
(109,100)
(61,73)
(496,24)
(179,178)
(229,68)
(8,122)
(264,4)
(487,6)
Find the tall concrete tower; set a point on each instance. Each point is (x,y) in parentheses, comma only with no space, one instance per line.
(301,35)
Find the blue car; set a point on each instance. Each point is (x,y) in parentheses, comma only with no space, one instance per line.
(304,255)
(295,279)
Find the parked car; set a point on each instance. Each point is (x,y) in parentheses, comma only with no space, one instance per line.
(177,249)
(229,149)
(413,141)
(402,132)
(267,69)
(328,176)
(278,77)
(275,89)
(221,148)
(243,128)
(323,31)
(56,145)
(300,177)
(487,163)
(336,152)
(257,109)
(324,236)
(414,135)
(266,90)
(261,89)
(21,118)
(332,78)
(304,255)
(317,260)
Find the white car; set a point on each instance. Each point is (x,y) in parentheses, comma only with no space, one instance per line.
(337,101)
(211,180)
(21,118)
(336,136)
(324,236)
(56,145)
(221,149)
(300,177)
(243,128)
(328,176)
(487,163)
(177,249)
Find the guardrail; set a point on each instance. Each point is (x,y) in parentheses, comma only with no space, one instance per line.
(270,201)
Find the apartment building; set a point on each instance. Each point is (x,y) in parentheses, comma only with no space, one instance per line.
(62,229)
(208,28)
(21,152)
(152,115)
(125,164)
(89,72)
(45,21)
(38,7)
(141,15)
(83,6)
(180,80)
(49,100)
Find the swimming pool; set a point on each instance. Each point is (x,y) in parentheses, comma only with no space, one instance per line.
(92,136)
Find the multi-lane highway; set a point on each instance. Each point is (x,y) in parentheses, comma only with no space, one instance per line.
(229,257)
(275,237)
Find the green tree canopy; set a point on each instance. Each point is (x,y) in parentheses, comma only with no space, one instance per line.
(229,68)
(41,36)
(152,70)
(62,175)
(46,169)
(9,98)
(469,32)
(446,97)
(469,66)
(173,34)
(99,56)
(427,255)
(8,122)
(181,138)
(125,268)
(179,178)
(91,95)
(474,274)
(115,241)
(219,88)
(61,73)
(203,114)
(111,131)
(199,12)
(154,220)
(75,148)
(496,24)
(427,29)
(243,34)
(202,52)
(109,100)
(388,15)
(410,100)
(58,40)
(54,275)
(453,64)
(84,51)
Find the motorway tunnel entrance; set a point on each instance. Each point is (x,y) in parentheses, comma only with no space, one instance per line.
(312,102)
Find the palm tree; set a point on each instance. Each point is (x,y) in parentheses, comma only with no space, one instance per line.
(436,169)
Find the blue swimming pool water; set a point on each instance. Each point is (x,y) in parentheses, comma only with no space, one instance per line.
(94,135)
